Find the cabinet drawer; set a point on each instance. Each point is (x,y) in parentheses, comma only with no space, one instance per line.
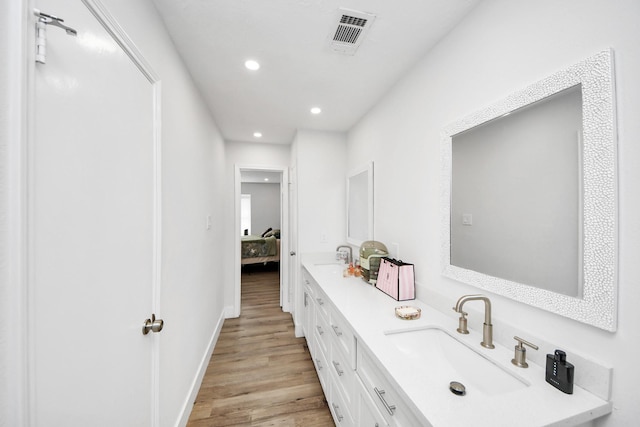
(343,337)
(367,413)
(340,409)
(322,303)
(322,333)
(309,318)
(343,374)
(308,296)
(306,277)
(322,367)
(307,280)
(385,395)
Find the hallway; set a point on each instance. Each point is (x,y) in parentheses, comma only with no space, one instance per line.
(260,374)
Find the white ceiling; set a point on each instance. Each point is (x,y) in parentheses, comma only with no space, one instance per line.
(290,39)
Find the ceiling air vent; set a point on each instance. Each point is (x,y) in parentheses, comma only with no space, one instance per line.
(349,30)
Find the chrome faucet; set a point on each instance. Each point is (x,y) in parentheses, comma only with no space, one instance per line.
(350,258)
(487,328)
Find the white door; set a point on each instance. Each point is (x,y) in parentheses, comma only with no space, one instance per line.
(92,230)
(294,262)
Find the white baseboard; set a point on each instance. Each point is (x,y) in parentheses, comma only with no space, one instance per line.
(299,333)
(230,312)
(197,381)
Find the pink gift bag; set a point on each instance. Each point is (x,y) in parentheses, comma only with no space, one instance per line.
(396,279)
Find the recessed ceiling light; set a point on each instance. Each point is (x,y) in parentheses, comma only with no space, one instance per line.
(257,134)
(266,179)
(252,65)
(316,110)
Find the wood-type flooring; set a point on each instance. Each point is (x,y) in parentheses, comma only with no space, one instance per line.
(260,374)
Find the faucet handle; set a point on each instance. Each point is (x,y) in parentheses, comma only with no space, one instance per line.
(462,322)
(520,357)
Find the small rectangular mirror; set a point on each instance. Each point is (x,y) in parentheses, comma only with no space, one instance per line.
(360,205)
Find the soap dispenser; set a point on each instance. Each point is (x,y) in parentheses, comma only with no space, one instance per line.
(560,372)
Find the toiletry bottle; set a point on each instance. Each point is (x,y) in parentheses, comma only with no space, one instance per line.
(560,372)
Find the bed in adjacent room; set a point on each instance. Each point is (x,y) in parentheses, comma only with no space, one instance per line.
(260,249)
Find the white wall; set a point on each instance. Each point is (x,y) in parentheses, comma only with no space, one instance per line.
(321,177)
(265,206)
(501,47)
(319,161)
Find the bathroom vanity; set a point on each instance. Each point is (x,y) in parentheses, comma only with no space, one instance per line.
(380,370)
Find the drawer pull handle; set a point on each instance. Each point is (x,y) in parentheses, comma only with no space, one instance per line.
(390,408)
(336,330)
(339,416)
(320,331)
(319,364)
(320,301)
(336,365)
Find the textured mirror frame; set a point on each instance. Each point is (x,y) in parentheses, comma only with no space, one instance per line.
(598,304)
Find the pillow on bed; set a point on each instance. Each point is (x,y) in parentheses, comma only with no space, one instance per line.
(266,232)
(275,233)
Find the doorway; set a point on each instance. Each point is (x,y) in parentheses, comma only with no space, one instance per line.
(256,173)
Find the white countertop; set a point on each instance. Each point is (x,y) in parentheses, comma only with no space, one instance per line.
(371,313)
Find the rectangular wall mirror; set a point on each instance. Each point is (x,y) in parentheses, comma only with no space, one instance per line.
(360,205)
(529,195)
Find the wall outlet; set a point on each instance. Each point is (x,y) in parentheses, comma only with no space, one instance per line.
(323,238)
(394,250)
(208,222)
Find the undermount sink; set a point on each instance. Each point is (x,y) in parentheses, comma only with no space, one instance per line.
(331,267)
(439,356)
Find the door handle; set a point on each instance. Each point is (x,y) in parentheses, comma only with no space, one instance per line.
(152,325)
(292,253)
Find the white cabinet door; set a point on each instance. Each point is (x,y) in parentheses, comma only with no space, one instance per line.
(92,230)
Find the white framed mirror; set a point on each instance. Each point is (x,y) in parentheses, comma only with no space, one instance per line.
(360,205)
(529,206)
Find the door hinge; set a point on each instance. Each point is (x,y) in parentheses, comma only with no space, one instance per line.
(45,19)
